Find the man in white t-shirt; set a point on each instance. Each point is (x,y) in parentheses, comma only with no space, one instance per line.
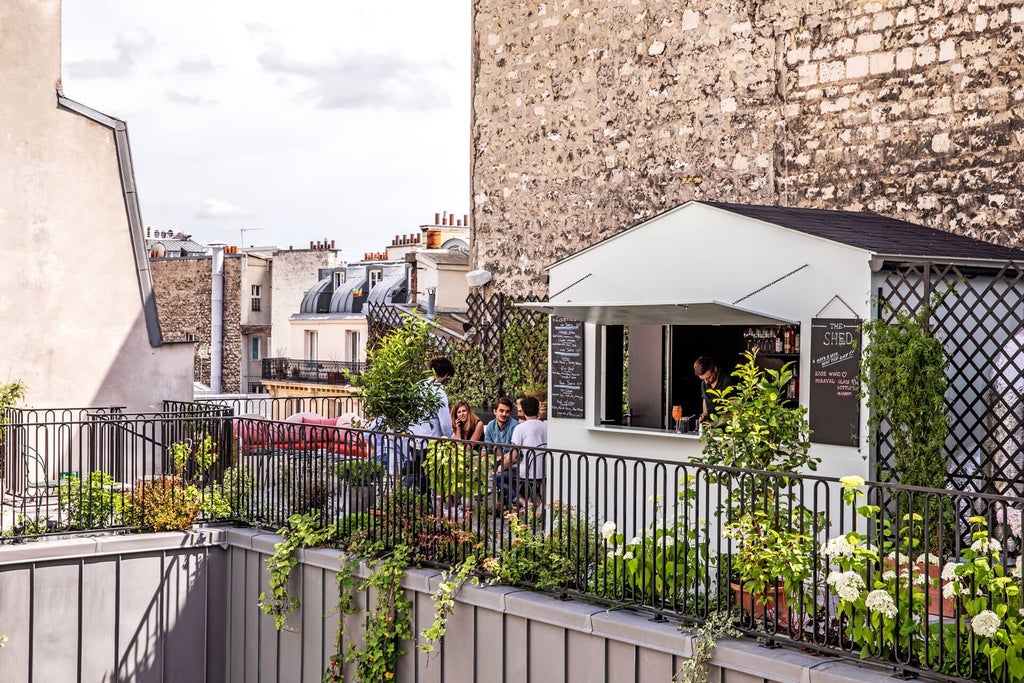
(525,464)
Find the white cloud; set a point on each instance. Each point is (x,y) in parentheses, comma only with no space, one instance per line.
(131,46)
(217,208)
(197,65)
(366,81)
(185,98)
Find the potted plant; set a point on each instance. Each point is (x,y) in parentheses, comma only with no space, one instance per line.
(360,479)
(455,473)
(772,532)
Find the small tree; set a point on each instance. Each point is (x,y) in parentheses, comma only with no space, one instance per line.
(392,385)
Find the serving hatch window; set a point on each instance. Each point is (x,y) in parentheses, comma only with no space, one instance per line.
(647,369)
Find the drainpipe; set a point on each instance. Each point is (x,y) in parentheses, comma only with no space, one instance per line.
(217,319)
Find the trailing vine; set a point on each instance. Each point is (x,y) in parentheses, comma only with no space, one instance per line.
(347,585)
(388,622)
(717,625)
(303,531)
(444,601)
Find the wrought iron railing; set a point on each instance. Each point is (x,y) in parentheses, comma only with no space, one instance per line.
(311,371)
(924,591)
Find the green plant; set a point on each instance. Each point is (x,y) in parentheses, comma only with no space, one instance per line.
(454,471)
(444,601)
(990,636)
(531,556)
(754,430)
(93,503)
(388,622)
(525,354)
(716,626)
(903,376)
(163,504)
(392,385)
(31,526)
(665,563)
(477,377)
(361,472)
(192,458)
(302,531)
(346,605)
(10,394)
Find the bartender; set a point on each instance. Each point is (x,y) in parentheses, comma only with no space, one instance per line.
(710,378)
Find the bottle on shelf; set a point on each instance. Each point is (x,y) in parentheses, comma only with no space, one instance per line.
(778,340)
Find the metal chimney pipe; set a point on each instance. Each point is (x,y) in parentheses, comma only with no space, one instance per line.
(217,319)
(431,302)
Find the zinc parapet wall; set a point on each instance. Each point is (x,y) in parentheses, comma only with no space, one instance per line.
(183,607)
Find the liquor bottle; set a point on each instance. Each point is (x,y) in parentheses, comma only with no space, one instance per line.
(778,341)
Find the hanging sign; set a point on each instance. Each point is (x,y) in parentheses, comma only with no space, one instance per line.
(567,376)
(834,401)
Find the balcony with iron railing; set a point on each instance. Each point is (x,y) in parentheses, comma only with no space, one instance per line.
(920,580)
(311,371)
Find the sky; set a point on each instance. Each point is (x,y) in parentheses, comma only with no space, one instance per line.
(307,119)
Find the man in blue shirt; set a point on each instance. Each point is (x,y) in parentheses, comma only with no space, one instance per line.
(499,431)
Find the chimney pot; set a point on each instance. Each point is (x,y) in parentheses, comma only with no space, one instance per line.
(312,244)
(437,218)
(465,220)
(332,244)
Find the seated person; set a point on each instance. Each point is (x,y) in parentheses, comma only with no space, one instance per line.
(499,431)
(466,426)
(525,464)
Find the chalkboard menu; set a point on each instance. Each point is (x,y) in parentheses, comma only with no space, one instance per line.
(835,370)
(567,381)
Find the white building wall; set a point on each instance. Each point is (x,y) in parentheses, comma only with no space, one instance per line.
(72,321)
(700,253)
(294,272)
(332,336)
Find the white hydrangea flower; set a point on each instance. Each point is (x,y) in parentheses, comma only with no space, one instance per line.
(1016,571)
(619,550)
(851,481)
(847,585)
(881,601)
(1013,521)
(927,558)
(608,530)
(898,558)
(888,575)
(986,546)
(986,623)
(949,590)
(611,554)
(636,541)
(839,546)
(628,555)
(949,571)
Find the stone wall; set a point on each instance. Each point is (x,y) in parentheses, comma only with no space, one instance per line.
(589,117)
(183,293)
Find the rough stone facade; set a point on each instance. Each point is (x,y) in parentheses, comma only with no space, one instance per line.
(183,288)
(590,116)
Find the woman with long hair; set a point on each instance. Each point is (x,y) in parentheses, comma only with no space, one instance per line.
(465,423)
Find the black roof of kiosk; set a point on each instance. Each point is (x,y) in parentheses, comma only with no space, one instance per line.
(875,233)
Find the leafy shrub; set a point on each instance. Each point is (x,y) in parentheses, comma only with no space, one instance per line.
(163,504)
(94,503)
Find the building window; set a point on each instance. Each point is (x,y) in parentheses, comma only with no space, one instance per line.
(376,275)
(354,347)
(338,278)
(311,345)
(189,336)
(256,295)
(255,348)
